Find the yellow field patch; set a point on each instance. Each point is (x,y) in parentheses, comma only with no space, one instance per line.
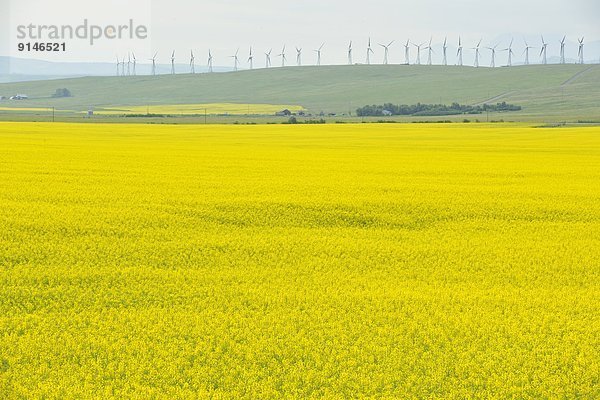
(40,109)
(323,261)
(200,109)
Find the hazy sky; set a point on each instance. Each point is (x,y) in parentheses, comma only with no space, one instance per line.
(225,25)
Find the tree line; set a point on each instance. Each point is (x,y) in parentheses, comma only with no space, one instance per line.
(419,109)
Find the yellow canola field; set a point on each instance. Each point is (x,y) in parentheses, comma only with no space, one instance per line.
(264,262)
(199,109)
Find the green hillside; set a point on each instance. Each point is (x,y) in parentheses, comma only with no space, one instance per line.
(552,92)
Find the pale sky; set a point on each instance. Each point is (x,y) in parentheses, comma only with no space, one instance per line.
(225,25)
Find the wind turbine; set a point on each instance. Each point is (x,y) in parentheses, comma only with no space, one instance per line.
(543,52)
(123,67)
(128,64)
(418,46)
(477,54)
(118,67)
(318,51)
(429,51)
(268,59)
(173,63)
(510,53)
(526,52)
(493,50)
(580,51)
(210,61)
(192,62)
(251,59)
(153,59)
(407,52)
(445,49)
(459,52)
(283,57)
(299,56)
(350,53)
(386,51)
(134,64)
(235,60)
(562,50)
(369,52)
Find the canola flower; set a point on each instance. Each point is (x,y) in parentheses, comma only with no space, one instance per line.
(345,261)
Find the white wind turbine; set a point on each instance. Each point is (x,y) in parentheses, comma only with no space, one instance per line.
(493,50)
(123,67)
(210,61)
(510,53)
(429,52)
(580,51)
(445,49)
(418,46)
(153,59)
(251,59)
(128,64)
(299,56)
(369,52)
(318,51)
(134,64)
(459,52)
(407,52)
(386,51)
(544,51)
(173,63)
(562,50)
(118,67)
(192,62)
(268,59)
(476,64)
(350,53)
(283,57)
(526,52)
(236,60)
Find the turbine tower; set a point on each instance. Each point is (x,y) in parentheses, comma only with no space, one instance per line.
(299,56)
(192,62)
(459,52)
(476,64)
(418,46)
(173,63)
(493,50)
(445,49)
(251,59)
(562,50)
(210,61)
(580,51)
(526,52)
(386,51)
(318,51)
(123,67)
(510,53)
(544,51)
(118,67)
(283,57)
(134,64)
(128,64)
(350,53)
(407,52)
(429,51)
(268,59)
(236,60)
(369,52)
(153,59)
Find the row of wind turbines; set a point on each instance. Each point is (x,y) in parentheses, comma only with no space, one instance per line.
(127,67)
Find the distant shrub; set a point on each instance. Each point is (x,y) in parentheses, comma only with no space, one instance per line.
(64,92)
